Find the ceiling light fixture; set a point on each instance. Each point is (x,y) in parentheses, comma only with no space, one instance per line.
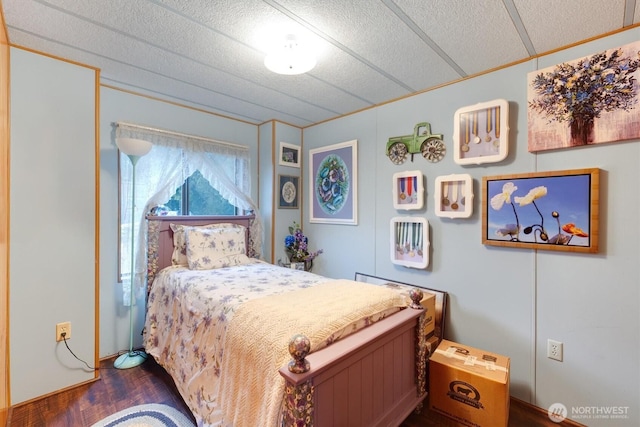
(290,58)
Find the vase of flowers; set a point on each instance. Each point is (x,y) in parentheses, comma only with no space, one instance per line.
(296,247)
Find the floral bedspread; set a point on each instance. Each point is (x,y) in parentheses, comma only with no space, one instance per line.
(187,317)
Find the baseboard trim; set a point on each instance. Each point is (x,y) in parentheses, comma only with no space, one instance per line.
(531,407)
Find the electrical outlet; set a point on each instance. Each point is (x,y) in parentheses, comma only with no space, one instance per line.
(63,328)
(554,350)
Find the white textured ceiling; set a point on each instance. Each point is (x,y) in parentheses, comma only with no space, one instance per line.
(209,54)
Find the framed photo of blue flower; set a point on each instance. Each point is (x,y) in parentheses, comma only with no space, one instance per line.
(555,211)
(289,155)
(333,184)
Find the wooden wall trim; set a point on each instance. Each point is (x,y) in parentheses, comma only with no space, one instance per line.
(4,221)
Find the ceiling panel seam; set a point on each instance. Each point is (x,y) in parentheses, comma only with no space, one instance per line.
(119,84)
(517,21)
(629,12)
(337,44)
(106,27)
(177,12)
(423,36)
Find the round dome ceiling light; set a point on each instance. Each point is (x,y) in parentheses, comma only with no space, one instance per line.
(290,58)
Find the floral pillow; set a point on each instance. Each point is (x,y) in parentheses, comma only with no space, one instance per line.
(179,256)
(215,248)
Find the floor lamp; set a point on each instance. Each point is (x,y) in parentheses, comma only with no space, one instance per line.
(134,149)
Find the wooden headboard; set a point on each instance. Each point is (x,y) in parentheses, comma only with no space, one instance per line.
(160,237)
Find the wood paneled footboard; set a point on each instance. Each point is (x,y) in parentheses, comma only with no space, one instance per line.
(374,377)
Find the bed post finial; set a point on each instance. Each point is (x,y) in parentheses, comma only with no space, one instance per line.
(299,347)
(416,298)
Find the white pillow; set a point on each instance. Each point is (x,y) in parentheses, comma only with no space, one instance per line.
(179,255)
(215,248)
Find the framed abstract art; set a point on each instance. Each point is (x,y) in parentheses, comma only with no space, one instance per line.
(333,185)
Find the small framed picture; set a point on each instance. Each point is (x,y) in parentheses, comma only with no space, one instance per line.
(289,155)
(410,241)
(481,133)
(454,196)
(297,265)
(288,185)
(408,190)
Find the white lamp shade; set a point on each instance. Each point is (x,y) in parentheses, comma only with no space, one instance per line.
(290,58)
(133,146)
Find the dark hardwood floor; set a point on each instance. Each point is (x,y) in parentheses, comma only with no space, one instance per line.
(149,383)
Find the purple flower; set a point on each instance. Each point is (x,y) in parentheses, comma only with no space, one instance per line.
(296,245)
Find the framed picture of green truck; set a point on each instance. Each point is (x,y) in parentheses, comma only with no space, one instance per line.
(429,145)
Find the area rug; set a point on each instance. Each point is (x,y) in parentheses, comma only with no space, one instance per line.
(149,415)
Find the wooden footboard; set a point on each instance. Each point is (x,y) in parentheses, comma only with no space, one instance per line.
(375,377)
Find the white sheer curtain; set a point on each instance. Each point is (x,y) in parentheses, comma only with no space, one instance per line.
(173,158)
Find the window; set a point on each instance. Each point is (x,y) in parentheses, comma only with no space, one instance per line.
(197,197)
(189,175)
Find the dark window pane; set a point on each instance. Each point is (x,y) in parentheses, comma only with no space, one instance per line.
(201,199)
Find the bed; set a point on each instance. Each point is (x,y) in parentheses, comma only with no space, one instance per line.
(250,343)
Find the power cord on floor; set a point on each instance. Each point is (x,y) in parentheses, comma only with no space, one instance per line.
(64,338)
(64,334)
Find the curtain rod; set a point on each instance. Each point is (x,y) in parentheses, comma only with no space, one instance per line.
(182,135)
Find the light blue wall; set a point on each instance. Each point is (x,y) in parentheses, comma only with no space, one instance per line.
(266,171)
(285,216)
(348,248)
(53,223)
(122,106)
(276,220)
(506,300)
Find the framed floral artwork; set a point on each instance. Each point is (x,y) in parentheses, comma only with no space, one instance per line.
(288,197)
(481,133)
(289,155)
(408,190)
(588,101)
(333,186)
(410,241)
(545,210)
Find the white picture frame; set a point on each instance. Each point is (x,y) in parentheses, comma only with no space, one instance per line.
(453,196)
(289,155)
(408,190)
(481,133)
(409,241)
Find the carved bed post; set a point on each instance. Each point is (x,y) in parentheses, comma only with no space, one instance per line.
(298,399)
(298,403)
(421,346)
(153,239)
